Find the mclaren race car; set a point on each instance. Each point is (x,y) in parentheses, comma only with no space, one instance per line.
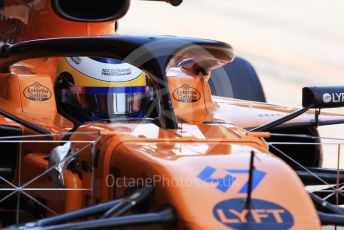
(100,131)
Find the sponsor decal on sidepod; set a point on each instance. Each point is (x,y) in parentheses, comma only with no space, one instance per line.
(186,94)
(37,92)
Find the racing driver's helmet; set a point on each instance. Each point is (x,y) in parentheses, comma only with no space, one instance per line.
(92,88)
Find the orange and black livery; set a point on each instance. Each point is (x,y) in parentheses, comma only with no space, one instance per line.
(105,130)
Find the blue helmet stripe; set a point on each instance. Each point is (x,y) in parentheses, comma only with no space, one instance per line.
(106,60)
(112,90)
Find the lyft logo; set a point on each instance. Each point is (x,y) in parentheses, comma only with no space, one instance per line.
(334,97)
(262,215)
(208,175)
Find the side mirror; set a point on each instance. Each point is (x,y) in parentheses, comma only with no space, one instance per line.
(96,11)
(89,10)
(172,2)
(323,97)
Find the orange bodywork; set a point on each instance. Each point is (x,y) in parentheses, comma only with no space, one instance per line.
(167,157)
(172,159)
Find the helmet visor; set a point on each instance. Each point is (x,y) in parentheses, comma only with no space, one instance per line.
(112,101)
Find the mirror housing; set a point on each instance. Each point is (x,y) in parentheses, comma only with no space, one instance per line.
(172,2)
(89,10)
(323,97)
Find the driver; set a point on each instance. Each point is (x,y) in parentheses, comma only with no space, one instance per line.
(90,88)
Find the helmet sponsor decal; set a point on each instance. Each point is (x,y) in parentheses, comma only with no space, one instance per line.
(224,183)
(261,215)
(116,72)
(111,71)
(76,60)
(186,94)
(37,92)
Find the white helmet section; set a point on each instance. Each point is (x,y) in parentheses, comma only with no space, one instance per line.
(117,71)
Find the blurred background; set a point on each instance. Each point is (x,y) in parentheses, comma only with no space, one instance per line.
(291,43)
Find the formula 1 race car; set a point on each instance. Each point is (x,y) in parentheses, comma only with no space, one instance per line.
(122,131)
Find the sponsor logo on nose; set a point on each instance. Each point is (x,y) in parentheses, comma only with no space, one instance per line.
(225,182)
(263,215)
